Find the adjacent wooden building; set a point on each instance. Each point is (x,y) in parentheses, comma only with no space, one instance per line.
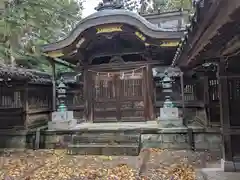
(25,98)
(211,48)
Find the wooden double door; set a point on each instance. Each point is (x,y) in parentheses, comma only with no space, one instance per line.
(119,96)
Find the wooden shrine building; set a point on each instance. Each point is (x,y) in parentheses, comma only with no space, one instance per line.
(25,98)
(211,47)
(116,51)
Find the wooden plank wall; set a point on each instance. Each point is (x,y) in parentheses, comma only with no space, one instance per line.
(24,105)
(75,100)
(38,104)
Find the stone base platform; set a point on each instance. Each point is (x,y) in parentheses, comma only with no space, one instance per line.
(151,135)
(105,143)
(115,135)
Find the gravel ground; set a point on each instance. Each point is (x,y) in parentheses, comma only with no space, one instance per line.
(151,164)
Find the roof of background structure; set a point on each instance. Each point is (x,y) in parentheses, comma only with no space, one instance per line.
(9,73)
(71,77)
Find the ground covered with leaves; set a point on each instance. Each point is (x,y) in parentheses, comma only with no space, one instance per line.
(151,164)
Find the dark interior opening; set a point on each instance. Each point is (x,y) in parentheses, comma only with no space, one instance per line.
(126,58)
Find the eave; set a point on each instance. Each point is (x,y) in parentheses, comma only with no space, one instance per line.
(112,17)
(208,34)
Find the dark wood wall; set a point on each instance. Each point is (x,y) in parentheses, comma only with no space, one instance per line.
(200,100)
(229,96)
(24,105)
(75,100)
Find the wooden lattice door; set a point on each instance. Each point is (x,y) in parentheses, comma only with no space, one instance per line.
(119,96)
(132,96)
(105,97)
(213,106)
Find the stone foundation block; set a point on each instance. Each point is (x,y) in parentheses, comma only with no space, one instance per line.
(13,139)
(165,141)
(101,149)
(67,115)
(227,166)
(62,124)
(205,141)
(166,123)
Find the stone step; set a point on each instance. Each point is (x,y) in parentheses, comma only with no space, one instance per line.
(104,149)
(105,138)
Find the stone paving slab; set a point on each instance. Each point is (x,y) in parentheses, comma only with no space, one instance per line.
(217,174)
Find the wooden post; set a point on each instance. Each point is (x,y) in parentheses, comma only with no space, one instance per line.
(25,105)
(150,92)
(53,85)
(117,90)
(145,94)
(206,98)
(183,101)
(227,161)
(87,95)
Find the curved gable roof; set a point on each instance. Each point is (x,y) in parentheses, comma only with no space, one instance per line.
(110,16)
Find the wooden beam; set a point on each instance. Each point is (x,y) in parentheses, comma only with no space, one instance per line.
(110,54)
(232,46)
(201,28)
(62,62)
(223,16)
(122,66)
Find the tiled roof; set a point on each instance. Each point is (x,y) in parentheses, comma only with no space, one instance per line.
(21,74)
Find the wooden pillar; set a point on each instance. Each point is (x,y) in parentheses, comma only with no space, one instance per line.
(150,93)
(206,90)
(227,161)
(53,85)
(145,94)
(118,93)
(87,94)
(183,101)
(25,105)
(206,98)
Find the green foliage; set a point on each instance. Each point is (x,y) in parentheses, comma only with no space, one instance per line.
(27,24)
(132,5)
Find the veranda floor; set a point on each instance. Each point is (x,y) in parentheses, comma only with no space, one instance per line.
(130,125)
